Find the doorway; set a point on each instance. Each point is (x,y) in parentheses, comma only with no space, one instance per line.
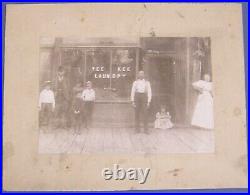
(160,71)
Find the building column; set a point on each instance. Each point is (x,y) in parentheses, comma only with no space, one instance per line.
(187,109)
(56,56)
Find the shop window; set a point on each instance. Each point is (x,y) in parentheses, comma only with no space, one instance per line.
(98,66)
(112,71)
(123,70)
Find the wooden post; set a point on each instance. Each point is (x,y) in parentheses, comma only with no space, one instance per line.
(175,87)
(137,61)
(187,80)
(110,69)
(56,57)
(85,66)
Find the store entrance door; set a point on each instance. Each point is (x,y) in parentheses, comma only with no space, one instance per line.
(167,78)
(160,72)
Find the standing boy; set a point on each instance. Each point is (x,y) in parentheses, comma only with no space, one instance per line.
(46,104)
(88,96)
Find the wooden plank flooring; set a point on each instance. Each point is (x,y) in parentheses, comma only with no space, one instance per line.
(124,140)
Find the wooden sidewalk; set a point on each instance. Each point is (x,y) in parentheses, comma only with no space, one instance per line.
(118,140)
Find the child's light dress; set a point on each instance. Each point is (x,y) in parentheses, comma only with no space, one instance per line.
(163,121)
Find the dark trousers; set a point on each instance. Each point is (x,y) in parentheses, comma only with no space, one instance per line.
(61,112)
(45,114)
(141,110)
(77,113)
(77,121)
(88,107)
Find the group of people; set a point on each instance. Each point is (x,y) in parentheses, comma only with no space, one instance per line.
(141,96)
(53,101)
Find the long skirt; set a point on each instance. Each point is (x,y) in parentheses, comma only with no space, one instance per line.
(203,114)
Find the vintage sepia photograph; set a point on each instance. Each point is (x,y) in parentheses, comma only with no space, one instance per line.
(126,95)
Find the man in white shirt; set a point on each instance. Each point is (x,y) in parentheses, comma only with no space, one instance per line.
(46,104)
(141,96)
(88,97)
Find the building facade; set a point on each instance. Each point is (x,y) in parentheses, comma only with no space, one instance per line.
(171,64)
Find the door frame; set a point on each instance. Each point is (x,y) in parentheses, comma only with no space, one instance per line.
(176,57)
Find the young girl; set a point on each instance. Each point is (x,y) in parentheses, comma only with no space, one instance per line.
(163,119)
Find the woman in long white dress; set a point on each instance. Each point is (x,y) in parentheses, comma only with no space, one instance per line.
(203,116)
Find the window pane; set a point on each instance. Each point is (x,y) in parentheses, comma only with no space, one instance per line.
(72,59)
(98,71)
(45,66)
(123,73)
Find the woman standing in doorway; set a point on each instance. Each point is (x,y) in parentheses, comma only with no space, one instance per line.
(203,113)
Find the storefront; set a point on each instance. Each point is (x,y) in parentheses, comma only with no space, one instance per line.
(112,64)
